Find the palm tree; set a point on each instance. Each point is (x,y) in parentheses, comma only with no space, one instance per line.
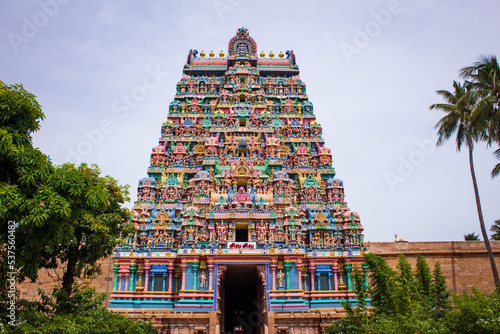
(496,169)
(468,130)
(484,77)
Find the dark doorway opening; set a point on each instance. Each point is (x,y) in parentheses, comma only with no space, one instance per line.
(242,150)
(242,232)
(241,303)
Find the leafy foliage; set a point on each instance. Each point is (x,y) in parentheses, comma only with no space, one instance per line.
(403,301)
(495,228)
(439,293)
(474,313)
(64,214)
(81,313)
(471,237)
(418,303)
(423,277)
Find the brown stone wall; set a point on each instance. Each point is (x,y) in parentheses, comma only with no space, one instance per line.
(464,263)
(47,279)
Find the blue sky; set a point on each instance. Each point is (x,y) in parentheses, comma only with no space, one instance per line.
(105,72)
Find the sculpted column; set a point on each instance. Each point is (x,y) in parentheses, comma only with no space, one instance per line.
(147,267)
(116,267)
(287,266)
(210,267)
(312,268)
(348,267)
(335,269)
(298,265)
(132,268)
(273,272)
(170,274)
(365,268)
(183,278)
(195,267)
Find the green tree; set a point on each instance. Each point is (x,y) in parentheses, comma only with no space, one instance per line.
(439,293)
(22,169)
(468,130)
(87,232)
(406,287)
(64,214)
(495,228)
(423,277)
(382,288)
(484,77)
(471,237)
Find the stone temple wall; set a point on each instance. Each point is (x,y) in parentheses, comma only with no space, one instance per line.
(464,263)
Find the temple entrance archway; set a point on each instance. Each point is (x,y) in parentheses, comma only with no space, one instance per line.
(243,303)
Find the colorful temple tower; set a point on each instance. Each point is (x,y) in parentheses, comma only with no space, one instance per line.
(241,224)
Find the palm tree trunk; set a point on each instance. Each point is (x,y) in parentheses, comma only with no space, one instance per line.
(480,213)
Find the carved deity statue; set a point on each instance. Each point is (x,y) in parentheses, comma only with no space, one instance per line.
(281,278)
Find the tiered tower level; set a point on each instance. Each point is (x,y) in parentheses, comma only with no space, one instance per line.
(240,182)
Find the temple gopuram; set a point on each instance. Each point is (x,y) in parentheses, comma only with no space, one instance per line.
(241,224)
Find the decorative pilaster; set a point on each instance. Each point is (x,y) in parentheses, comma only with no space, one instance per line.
(116,267)
(287,266)
(312,268)
(365,268)
(348,268)
(195,267)
(273,273)
(298,265)
(183,277)
(170,275)
(147,268)
(133,269)
(335,269)
(210,267)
